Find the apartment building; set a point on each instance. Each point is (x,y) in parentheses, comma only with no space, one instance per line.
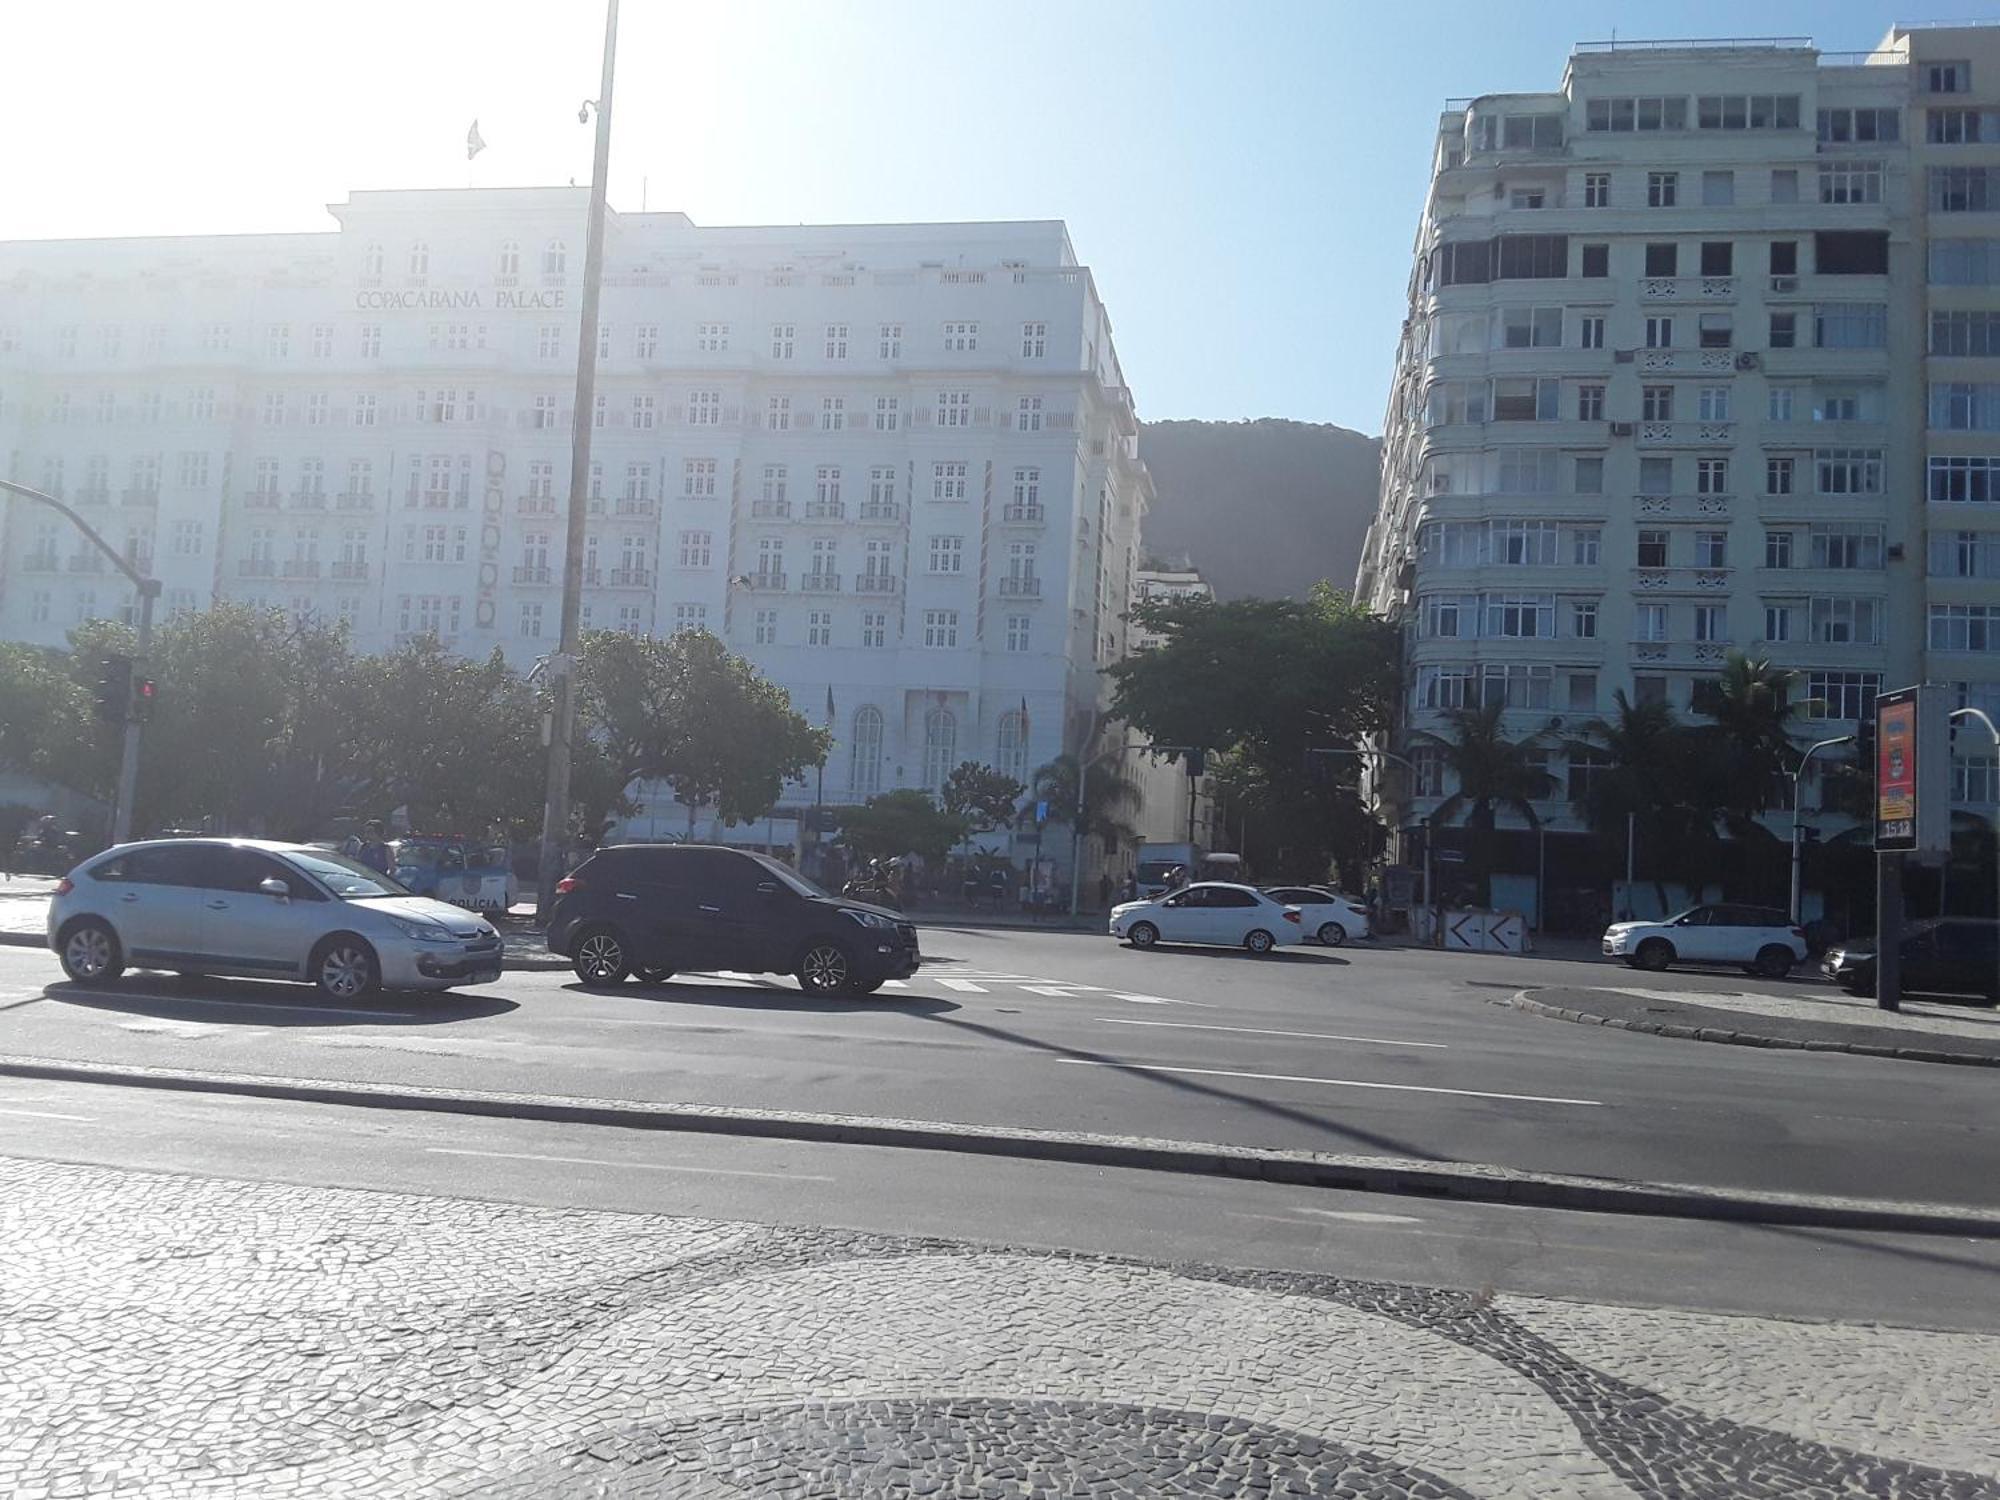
(1700,355)
(894,465)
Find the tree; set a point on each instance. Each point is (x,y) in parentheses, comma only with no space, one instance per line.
(1750,741)
(46,729)
(985,797)
(1650,789)
(457,742)
(1492,772)
(1109,797)
(687,710)
(904,821)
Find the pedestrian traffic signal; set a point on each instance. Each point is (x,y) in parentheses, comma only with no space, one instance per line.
(114,688)
(144,691)
(1197,762)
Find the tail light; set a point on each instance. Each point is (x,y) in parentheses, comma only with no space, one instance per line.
(567,884)
(64,886)
(1799,933)
(1291,916)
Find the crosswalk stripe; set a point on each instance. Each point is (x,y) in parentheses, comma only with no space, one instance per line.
(963,986)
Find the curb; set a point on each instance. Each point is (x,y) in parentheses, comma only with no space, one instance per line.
(23,940)
(1740,1037)
(1372,1174)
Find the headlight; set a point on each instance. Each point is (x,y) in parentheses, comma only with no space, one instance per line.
(867,918)
(422,932)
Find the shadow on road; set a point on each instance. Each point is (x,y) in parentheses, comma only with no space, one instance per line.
(1877,1244)
(251,1002)
(1181,1083)
(1244,955)
(777,995)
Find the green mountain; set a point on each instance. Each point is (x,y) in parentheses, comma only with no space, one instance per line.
(1262,508)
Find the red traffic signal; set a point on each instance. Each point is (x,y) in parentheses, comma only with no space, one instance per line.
(144,693)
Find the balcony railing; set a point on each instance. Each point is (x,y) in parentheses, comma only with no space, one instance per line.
(1713,361)
(39,562)
(1680,580)
(350,568)
(1020,588)
(631,578)
(93,494)
(1681,505)
(1686,432)
(536,505)
(637,505)
(530,574)
(300,567)
(767,582)
(1023,514)
(262,500)
(819,583)
(141,495)
(87,562)
(1686,288)
(771,510)
(592,577)
(825,510)
(308,500)
(879,510)
(1687,653)
(876,583)
(257,567)
(353,500)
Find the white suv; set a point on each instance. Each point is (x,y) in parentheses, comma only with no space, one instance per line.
(1758,939)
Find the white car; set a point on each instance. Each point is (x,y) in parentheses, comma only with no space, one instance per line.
(1759,939)
(265,910)
(1326,917)
(1210,911)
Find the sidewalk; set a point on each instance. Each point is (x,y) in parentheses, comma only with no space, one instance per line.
(1930,1031)
(178,1336)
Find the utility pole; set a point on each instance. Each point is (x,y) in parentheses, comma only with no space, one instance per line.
(1797,908)
(149,590)
(562,666)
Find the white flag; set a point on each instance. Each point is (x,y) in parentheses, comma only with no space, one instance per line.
(473,144)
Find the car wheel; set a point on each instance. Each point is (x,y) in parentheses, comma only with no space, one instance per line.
(1143,935)
(1332,934)
(1259,942)
(1774,961)
(601,960)
(90,953)
(1654,954)
(652,974)
(344,968)
(825,969)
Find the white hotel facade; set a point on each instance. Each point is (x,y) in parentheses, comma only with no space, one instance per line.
(1702,353)
(896,464)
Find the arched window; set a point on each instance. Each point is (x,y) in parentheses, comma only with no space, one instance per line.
(940,747)
(510,257)
(371,259)
(420,258)
(1012,751)
(864,762)
(555,259)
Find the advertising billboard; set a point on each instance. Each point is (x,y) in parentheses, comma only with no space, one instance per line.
(1912,772)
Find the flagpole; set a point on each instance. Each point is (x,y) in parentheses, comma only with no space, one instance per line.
(562,666)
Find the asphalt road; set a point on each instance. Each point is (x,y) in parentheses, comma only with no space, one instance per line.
(1922,1281)
(1393,1051)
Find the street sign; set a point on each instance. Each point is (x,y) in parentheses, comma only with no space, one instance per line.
(1912,772)
(1041,812)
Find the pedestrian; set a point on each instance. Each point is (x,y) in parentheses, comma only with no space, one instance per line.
(374,850)
(1104,890)
(1131,891)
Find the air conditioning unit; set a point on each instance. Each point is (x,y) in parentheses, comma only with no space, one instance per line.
(1747,360)
(1784,283)
(1621,429)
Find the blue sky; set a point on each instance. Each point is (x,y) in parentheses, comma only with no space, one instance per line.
(1243,178)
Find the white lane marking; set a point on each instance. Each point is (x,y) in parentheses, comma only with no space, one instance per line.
(45,1114)
(1361,1216)
(1155,1000)
(1057,991)
(1340,1083)
(1357,1218)
(1316,1036)
(649,1166)
(895,984)
(963,986)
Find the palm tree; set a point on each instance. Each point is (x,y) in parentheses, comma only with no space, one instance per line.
(1109,795)
(1649,787)
(1492,772)
(1753,716)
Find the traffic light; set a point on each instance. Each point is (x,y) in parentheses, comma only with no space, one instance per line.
(114,688)
(144,692)
(1197,762)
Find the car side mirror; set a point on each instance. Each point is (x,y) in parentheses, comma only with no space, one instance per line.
(767,887)
(1682,921)
(275,887)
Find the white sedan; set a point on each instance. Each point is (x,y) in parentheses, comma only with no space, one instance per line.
(1211,911)
(1329,918)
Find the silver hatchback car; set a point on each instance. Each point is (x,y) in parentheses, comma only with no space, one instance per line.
(265,910)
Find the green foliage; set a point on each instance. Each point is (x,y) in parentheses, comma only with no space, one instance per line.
(901,822)
(1265,680)
(1492,772)
(46,727)
(1110,796)
(985,797)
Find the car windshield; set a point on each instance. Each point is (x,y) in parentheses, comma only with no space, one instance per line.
(346,878)
(785,874)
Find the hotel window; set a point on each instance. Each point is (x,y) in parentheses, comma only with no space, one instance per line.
(1850,182)
(697,548)
(875,629)
(704,408)
(548,341)
(888,413)
(832,413)
(836,341)
(420,259)
(940,628)
(370,335)
(948,481)
(778,413)
(954,408)
(1034,340)
(1662,189)
(555,258)
(889,341)
(784,340)
(322,341)
(1596,189)
(646,340)
(961,338)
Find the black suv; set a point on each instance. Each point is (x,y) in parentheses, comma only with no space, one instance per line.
(652,909)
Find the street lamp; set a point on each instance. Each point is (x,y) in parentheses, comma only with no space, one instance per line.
(1798,850)
(149,590)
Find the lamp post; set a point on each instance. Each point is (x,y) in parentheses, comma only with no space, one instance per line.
(562,666)
(149,590)
(1796,911)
